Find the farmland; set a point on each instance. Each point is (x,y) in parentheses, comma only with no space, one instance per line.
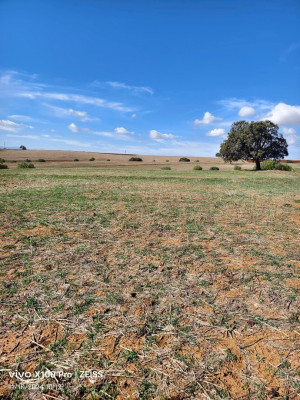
(170,284)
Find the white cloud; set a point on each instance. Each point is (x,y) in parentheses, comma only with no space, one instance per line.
(122,131)
(73,127)
(207,119)
(155,135)
(216,132)
(283,114)
(289,131)
(292,139)
(11,126)
(246,111)
(133,115)
(136,89)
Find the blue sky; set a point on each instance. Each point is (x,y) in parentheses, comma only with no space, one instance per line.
(150,77)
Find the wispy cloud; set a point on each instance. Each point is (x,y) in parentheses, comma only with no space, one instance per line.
(7,125)
(34,137)
(67,112)
(236,103)
(119,132)
(135,89)
(13,84)
(292,47)
(95,101)
(24,118)
(50,139)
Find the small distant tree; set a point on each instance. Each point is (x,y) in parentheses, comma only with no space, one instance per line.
(256,141)
(184,159)
(23,147)
(135,159)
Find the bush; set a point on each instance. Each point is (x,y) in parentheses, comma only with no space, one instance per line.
(166,168)
(237,168)
(289,161)
(108,159)
(92,159)
(76,159)
(184,159)
(274,165)
(214,168)
(3,166)
(197,168)
(27,160)
(135,159)
(41,160)
(196,161)
(153,161)
(167,160)
(25,164)
(2,160)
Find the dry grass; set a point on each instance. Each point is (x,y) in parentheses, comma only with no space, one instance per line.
(174,284)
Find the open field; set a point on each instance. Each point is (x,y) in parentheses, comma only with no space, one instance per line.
(65,159)
(173,284)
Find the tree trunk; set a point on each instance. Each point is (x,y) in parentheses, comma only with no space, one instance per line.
(257,162)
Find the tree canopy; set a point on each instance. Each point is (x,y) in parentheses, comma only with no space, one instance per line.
(257,141)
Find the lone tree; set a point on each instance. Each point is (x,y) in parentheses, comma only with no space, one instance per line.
(23,147)
(257,141)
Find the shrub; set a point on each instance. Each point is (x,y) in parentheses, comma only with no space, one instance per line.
(197,168)
(25,164)
(184,159)
(274,165)
(92,159)
(3,166)
(76,159)
(166,168)
(135,159)
(153,161)
(41,160)
(289,161)
(167,160)
(2,160)
(27,160)
(214,168)
(237,168)
(196,161)
(108,159)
